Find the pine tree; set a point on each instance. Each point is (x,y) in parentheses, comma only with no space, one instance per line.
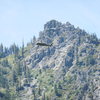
(39,90)
(6,52)
(22,51)
(5,63)
(33,40)
(24,68)
(1,48)
(34,94)
(15,77)
(1,51)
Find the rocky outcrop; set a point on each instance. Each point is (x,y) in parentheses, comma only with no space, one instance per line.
(73,57)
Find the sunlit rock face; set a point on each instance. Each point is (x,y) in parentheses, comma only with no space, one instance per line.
(70,46)
(73,52)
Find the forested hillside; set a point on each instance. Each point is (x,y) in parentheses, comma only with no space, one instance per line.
(67,70)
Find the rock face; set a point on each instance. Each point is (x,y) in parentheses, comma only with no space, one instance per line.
(73,52)
(69,45)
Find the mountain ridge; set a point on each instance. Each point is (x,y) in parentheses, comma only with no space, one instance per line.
(68,70)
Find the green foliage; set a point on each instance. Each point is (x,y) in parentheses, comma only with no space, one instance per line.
(48,83)
(90,60)
(5,63)
(94,39)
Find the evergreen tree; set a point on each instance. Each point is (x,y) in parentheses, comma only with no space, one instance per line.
(15,77)
(1,48)
(28,75)
(39,90)
(5,63)
(33,40)
(14,50)
(1,51)
(24,68)
(19,68)
(22,51)
(34,94)
(6,52)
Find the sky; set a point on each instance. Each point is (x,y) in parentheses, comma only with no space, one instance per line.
(20,20)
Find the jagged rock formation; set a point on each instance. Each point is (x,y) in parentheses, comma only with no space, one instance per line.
(73,51)
(68,70)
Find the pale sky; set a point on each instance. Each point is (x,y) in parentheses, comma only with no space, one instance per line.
(22,19)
